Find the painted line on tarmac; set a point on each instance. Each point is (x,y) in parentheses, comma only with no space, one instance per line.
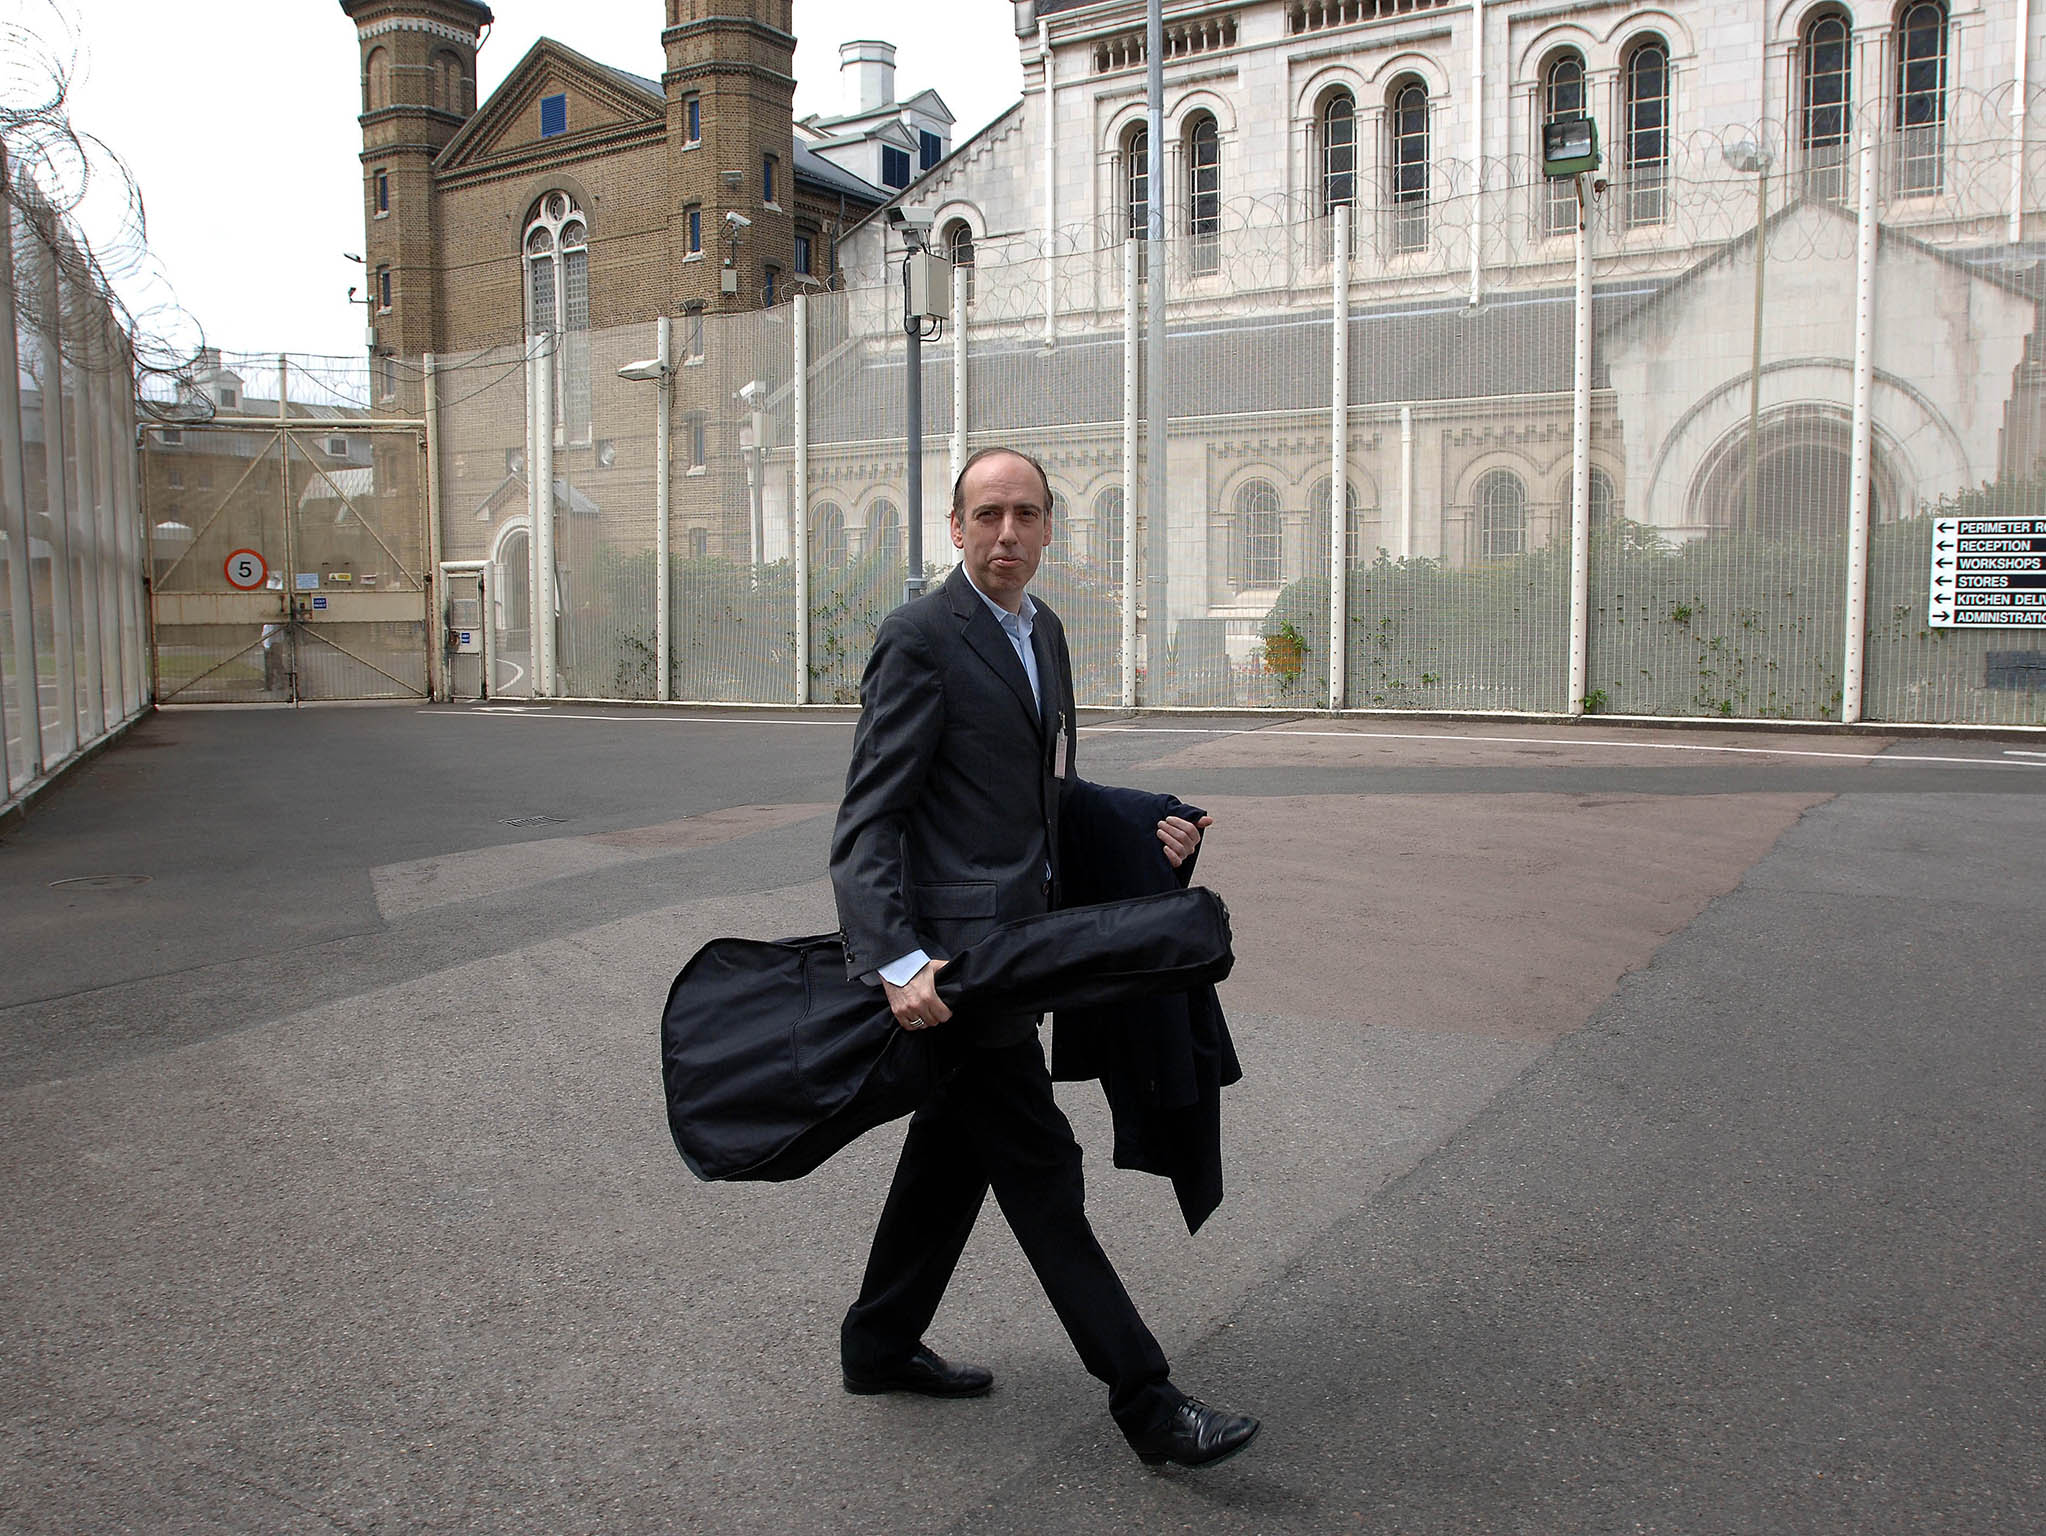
(542,712)
(1560,741)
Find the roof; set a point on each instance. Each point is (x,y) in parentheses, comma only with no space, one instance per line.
(1517,344)
(815,169)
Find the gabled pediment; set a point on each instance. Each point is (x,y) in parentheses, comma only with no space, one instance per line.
(600,101)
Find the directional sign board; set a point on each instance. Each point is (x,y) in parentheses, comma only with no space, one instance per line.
(1988,572)
(246,570)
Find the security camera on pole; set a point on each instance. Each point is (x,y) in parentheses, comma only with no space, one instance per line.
(926,281)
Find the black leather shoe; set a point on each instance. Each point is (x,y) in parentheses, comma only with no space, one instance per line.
(925,1373)
(1196,1435)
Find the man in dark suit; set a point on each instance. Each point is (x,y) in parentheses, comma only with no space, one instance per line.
(949,826)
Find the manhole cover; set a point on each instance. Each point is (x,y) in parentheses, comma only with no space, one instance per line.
(535,821)
(102,882)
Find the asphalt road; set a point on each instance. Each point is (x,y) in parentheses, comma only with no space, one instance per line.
(1641,1131)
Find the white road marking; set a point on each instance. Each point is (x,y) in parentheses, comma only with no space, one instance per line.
(654,717)
(1557,741)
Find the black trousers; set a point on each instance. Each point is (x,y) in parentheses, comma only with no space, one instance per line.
(994,1124)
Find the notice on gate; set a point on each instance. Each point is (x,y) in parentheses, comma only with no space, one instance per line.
(1988,573)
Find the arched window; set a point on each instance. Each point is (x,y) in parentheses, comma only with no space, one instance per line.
(827,534)
(957,244)
(558,302)
(1108,534)
(1338,134)
(1646,137)
(1922,97)
(1826,104)
(447,82)
(1562,102)
(884,531)
(1317,526)
(376,80)
(1407,162)
(1136,187)
(1604,504)
(1204,191)
(1502,514)
(1254,539)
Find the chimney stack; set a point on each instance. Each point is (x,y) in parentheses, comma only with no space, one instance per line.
(869,67)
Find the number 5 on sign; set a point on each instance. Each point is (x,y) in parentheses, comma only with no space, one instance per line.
(246,570)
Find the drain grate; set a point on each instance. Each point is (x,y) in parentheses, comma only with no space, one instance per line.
(535,821)
(101,882)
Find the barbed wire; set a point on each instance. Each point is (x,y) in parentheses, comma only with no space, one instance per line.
(78,217)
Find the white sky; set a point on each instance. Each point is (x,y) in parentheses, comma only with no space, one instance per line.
(237,119)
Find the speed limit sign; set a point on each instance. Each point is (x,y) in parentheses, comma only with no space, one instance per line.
(246,570)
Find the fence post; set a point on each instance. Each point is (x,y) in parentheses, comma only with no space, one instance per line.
(14,499)
(58,493)
(799,524)
(2018,103)
(1864,437)
(436,620)
(1406,548)
(1580,468)
(1339,467)
(1130,342)
(664,596)
(958,445)
(108,535)
(544,680)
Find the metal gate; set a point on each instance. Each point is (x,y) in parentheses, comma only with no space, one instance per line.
(289,560)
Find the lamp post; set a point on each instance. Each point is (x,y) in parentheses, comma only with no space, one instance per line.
(926,279)
(1750,159)
(660,370)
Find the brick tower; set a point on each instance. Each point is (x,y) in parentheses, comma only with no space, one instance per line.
(418,88)
(731,87)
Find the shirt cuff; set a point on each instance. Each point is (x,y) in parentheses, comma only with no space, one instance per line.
(898,972)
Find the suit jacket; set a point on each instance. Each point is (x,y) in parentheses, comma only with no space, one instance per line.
(951,808)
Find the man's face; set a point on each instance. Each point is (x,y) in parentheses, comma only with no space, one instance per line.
(1003,526)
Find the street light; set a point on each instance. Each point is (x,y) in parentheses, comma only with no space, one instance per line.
(1750,159)
(660,369)
(924,278)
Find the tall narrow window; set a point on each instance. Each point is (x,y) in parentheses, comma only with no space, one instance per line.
(1922,97)
(768,166)
(383,193)
(376,80)
(1502,514)
(1338,152)
(1562,102)
(695,447)
(1108,534)
(803,256)
(1318,529)
(692,218)
(770,278)
(1136,175)
(1408,166)
(958,248)
(692,119)
(1254,537)
(894,167)
(884,531)
(1602,500)
(558,303)
(1204,192)
(1647,134)
(1825,115)
(827,530)
(692,344)
(553,115)
(930,149)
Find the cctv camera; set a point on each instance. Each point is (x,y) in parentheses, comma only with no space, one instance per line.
(748,390)
(909,219)
(738,221)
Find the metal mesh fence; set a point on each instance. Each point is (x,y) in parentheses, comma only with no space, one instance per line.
(73,661)
(1718,480)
